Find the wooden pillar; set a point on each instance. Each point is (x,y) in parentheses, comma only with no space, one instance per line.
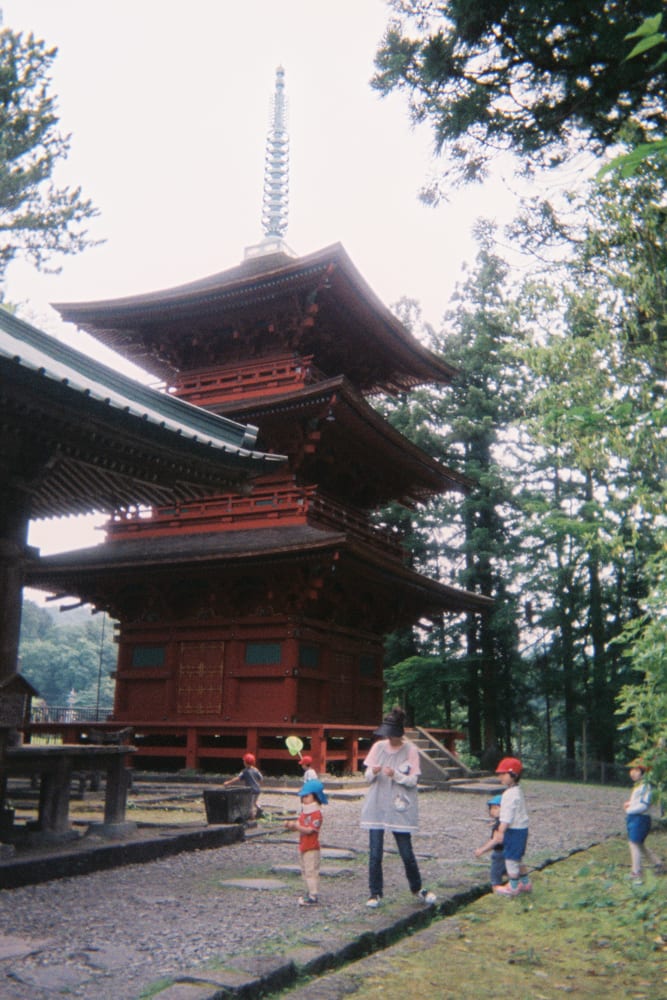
(318,748)
(13,538)
(192,748)
(252,741)
(351,752)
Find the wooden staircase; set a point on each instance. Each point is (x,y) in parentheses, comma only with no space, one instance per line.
(439,766)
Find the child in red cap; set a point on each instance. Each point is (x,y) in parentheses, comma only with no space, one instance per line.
(252,778)
(309,772)
(513,830)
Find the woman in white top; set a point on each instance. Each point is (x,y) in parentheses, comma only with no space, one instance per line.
(392,772)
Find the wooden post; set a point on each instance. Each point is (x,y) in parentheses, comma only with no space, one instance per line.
(13,539)
(192,748)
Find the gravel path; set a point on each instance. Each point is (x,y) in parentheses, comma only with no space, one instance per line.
(112,934)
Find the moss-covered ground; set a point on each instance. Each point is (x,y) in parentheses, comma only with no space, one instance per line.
(585,931)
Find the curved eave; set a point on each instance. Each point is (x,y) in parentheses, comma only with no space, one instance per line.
(433,596)
(80,572)
(421,365)
(118,322)
(78,437)
(423,474)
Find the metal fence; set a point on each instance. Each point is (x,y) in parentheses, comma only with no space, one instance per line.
(70,713)
(581,769)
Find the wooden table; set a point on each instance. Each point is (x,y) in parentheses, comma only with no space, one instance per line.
(55,764)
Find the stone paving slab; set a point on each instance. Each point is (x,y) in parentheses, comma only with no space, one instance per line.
(324,871)
(55,977)
(258,884)
(108,957)
(13,946)
(188,991)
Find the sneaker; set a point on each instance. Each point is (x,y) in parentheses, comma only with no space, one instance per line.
(506,890)
(373,902)
(307,900)
(526,886)
(426,896)
(636,878)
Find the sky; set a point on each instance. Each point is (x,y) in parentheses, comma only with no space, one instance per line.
(168,107)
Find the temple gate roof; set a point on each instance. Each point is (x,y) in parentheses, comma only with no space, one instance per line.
(78,436)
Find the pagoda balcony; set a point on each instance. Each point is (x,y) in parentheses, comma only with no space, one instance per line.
(265,377)
(277,506)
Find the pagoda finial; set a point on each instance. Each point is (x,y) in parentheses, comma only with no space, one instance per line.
(276,165)
(275,199)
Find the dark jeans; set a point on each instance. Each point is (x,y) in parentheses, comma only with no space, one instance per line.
(404,845)
(497,867)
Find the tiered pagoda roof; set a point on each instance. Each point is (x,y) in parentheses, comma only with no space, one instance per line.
(294,347)
(337,560)
(317,305)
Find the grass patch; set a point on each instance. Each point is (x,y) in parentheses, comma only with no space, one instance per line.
(155,988)
(585,931)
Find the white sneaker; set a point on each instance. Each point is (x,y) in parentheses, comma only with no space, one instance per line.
(427,897)
(374,902)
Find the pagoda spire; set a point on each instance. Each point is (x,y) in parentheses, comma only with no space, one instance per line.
(275,198)
(275,202)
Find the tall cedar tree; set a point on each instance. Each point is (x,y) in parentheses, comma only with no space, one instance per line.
(533,78)
(464,426)
(479,408)
(37,219)
(596,414)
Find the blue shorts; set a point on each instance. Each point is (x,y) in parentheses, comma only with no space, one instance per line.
(514,844)
(638,825)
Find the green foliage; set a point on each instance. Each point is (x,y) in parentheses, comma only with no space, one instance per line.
(591,483)
(649,37)
(58,656)
(37,219)
(425,686)
(528,77)
(643,704)
(562,514)
(464,664)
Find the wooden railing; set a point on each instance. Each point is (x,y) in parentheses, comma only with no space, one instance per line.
(233,511)
(263,377)
(286,504)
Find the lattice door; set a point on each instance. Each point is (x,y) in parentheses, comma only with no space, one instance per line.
(200,674)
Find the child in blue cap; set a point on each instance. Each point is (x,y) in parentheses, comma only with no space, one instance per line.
(308,827)
(498,870)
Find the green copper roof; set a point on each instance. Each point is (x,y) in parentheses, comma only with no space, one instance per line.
(78,436)
(33,349)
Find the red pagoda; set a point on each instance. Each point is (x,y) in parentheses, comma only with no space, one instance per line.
(251,616)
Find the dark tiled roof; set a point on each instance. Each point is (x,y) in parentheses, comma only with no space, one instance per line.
(354,333)
(67,571)
(394,467)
